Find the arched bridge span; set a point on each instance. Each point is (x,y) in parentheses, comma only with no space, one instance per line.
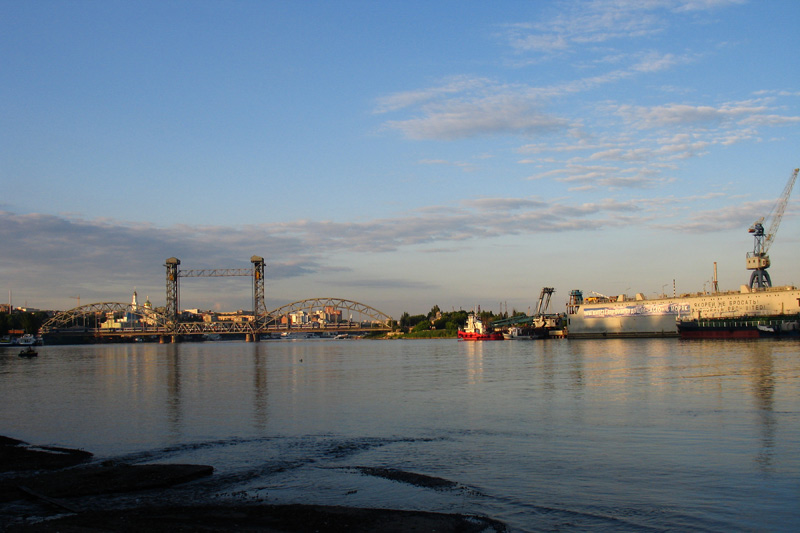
(115,316)
(328,313)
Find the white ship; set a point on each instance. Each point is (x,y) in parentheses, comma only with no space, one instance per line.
(27,340)
(624,316)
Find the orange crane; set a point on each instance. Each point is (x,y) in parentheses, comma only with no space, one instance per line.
(758,260)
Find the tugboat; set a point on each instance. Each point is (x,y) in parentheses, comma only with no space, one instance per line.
(474,330)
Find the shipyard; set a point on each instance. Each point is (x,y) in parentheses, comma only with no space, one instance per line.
(757,309)
(400,266)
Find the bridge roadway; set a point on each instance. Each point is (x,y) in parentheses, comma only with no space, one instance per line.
(197,330)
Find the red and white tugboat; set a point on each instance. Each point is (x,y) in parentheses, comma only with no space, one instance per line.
(474,330)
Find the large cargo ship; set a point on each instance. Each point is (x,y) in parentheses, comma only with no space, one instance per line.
(624,316)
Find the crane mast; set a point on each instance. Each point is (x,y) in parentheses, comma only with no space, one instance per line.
(758,260)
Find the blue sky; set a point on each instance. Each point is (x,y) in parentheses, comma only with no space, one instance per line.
(400,154)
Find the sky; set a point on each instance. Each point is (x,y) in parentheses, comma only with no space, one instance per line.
(401,154)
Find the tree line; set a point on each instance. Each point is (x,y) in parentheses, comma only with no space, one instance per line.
(27,322)
(445,321)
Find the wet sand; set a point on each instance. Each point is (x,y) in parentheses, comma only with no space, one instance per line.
(59,489)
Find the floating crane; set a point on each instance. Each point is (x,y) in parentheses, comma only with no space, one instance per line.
(544,300)
(540,319)
(758,260)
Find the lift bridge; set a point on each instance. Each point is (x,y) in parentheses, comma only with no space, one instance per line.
(139,321)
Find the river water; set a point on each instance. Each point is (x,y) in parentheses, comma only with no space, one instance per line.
(614,435)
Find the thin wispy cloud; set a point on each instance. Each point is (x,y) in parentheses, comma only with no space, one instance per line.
(507,114)
(574,25)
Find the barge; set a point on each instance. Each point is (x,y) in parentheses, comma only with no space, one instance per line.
(744,327)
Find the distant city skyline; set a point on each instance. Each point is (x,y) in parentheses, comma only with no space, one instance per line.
(403,155)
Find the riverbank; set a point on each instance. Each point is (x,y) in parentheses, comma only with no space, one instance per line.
(47,489)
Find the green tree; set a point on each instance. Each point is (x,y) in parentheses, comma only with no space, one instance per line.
(423,325)
(404,320)
(416,319)
(31,322)
(440,323)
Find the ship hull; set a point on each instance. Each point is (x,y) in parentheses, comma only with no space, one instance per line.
(631,318)
(467,336)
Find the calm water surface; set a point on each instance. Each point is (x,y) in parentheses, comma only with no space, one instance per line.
(617,435)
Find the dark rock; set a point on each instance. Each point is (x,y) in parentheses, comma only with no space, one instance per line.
(16,455)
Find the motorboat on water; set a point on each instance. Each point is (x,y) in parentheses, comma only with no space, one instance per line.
(28,352)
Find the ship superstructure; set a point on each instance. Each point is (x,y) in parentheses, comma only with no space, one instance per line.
(475,330)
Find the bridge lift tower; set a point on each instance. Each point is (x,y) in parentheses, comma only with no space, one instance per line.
(173,289)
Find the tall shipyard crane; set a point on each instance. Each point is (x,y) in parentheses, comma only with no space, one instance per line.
(758,260)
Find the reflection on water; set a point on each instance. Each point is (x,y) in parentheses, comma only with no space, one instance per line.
(763,382)
(614,434)
(174,390)
(260,386)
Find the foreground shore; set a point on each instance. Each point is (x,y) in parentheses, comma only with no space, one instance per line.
(58,489)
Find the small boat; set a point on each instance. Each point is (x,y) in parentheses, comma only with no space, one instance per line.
(520,334)
(26,340)
(28,352)
(474,330)
(292,336)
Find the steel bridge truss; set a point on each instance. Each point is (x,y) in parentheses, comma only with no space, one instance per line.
(143,320)
(378,320)
(173,290)
(90,317)
(94,315)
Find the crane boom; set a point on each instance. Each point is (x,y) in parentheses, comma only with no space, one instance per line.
(777,212)
(758,260)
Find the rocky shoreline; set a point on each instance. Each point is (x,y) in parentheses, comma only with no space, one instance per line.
(49,489)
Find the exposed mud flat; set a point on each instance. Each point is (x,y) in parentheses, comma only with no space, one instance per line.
(105,497)
(269,518)
(418,480)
